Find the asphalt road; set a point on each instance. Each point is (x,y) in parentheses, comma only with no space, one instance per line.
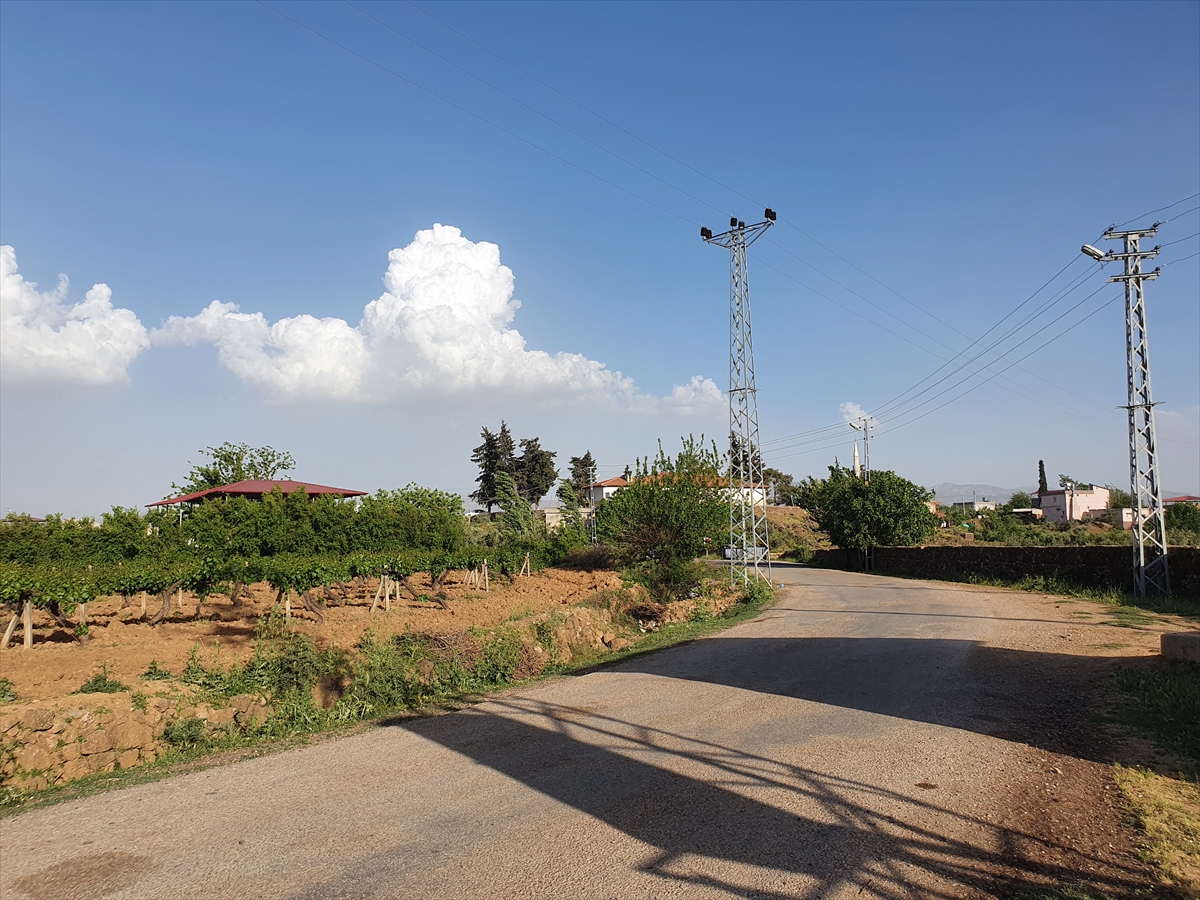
(849,742)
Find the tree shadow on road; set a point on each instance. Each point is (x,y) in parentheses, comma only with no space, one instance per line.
(724,819)
(727,819)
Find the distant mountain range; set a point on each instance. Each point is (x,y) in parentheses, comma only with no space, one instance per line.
(948,492)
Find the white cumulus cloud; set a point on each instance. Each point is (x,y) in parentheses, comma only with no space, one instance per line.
(443,323)
(42,337)
(852,412)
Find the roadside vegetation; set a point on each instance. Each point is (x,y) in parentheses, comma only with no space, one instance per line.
(296,684)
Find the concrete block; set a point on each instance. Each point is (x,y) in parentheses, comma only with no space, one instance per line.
(1183,645)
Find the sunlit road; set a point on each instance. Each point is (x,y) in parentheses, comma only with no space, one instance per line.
(849,742)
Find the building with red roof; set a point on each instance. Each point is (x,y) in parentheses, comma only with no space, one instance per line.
(255,489)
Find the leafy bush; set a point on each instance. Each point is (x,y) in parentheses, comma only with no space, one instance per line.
(155,672)
(887,511)
(186,734)
(100,683)
(590,558)
(659,523)
(758,591)
(7,693)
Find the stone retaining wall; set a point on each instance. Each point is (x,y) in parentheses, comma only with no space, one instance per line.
(48,742)
(1093,566)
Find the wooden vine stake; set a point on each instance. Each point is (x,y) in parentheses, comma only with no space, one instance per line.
(287,605)
(143,604)
(486,583)
(28,624)
(8,632)
(525,565)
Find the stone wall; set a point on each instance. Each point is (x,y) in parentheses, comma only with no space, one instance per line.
(1088,566)
(47,742)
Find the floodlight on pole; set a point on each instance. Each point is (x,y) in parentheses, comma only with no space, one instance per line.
(1094,252)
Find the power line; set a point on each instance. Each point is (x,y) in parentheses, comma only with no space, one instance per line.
(682,191)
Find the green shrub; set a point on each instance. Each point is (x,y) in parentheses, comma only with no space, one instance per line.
(155,672)
(100,683)
(186,734)
(7,694)
(758,591)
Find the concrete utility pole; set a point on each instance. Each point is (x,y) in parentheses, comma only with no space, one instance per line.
(749,543)
(865,427)
(1150,572)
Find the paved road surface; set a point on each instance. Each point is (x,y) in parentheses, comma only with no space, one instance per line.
(849,742)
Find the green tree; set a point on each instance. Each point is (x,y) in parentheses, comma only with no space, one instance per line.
(743,461)
(1118,499)
(1068,483)
(230,463)
(517,521)
(661,520)
(572,519)
(1043,485)
(890,511)
(1183,523)
(1019,500)
(495,454)
(534,471)
(781,487)
(583,475)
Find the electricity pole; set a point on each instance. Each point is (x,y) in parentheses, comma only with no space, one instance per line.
(748,540)
(1150,573)
(592,499)
(865,428)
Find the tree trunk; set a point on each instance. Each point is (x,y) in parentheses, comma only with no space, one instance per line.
(311,604)
(165,598)
(63,622)
(235,595)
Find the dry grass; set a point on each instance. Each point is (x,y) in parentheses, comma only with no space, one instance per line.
(1168,811)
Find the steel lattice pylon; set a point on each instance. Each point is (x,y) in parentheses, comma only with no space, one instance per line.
(1150,572)
(748,539)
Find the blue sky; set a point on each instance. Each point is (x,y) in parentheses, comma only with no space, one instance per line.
(932,164)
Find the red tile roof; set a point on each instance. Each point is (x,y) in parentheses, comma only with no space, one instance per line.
(1182,498)
(612,482)
(256,488)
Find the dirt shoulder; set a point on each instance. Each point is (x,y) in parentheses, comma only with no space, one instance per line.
(1061,793)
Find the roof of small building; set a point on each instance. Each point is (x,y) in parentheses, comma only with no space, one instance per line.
(258,487)
(612,482)
(1182,498)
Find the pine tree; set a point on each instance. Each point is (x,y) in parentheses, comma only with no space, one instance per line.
(506,449)
(743,464)
(583,474)
(534,471)
(487,457)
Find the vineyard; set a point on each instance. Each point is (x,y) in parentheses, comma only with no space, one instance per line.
(310,551)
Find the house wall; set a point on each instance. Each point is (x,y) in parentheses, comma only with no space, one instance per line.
(1062,506)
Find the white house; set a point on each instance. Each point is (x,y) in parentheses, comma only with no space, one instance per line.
(603,490)
(1072,504)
